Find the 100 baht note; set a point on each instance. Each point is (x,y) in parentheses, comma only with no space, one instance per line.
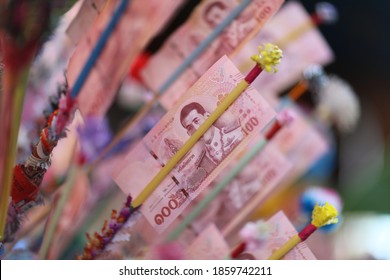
(298,142)
(301,48)
(209,245)
(86,15)
(227,137)
(251,186)
(280,231)
(186,39)
(130,35)
(301,142)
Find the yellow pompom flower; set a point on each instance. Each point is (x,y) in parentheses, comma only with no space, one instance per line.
(324,215)
(268,57)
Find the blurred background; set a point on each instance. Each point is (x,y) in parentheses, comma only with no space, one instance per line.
(362,171)
(358,168)
(355,173)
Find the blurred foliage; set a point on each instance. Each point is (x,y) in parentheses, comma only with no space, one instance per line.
(372,194)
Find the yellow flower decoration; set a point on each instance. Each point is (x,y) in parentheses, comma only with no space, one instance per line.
(268,57)
(324,215)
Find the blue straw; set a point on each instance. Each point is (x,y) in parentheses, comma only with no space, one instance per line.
(205,43)
(101,43)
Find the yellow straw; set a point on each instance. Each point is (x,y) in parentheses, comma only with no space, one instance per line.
(321,216)
(234,94)
(268,57)
(290,244)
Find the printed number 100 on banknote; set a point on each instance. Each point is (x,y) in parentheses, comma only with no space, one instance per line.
(212,153)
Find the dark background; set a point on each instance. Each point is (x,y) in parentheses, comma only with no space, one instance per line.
(361,42)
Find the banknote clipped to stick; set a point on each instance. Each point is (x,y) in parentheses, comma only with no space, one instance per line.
(132,33)
(184,41)
(220,144)
(260,177)
(301,142)
(302,44)
(278,229)
(87,13)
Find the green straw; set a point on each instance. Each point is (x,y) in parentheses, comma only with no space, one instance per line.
(53,222)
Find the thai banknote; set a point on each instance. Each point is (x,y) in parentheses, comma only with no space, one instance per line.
(209,245)
(86,15)
(301,47)
(262,176)
(130,35)
(185,40)
(301,142)
(302,145)
(280,231)
(228,136)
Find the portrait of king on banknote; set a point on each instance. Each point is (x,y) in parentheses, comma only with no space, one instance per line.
(217,142)
(215,12)
(227,137)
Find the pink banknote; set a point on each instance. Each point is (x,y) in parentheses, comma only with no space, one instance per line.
(301,142)
(300,48)
(129,37)
(247,191)
(209,245)
(86,15)
(213,152)
(281,230)
(185,40)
